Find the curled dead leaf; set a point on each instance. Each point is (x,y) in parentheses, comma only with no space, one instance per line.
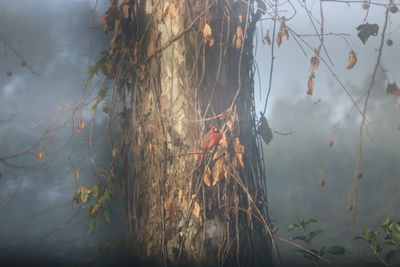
(206,178)
(314,62)
(207,31)
(264,130)
(125,8)
(393,89)
(238,38)
(278,39)
(80,126)
(218,171)
(172,10)
(352,59)
(310,84)
(267,38)
(196,210)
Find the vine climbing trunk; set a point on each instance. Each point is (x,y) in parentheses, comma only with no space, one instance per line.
(179,67)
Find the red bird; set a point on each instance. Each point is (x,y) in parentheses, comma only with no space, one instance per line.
(211,139)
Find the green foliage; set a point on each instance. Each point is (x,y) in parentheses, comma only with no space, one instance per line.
(388,249)
(308,237)
(102,196)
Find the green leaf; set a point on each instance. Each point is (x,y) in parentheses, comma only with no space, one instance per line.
(370,235)
(94,225)
(107,215)
(335,250)
(106,109)
(95,190)
(292,226)
(314,234)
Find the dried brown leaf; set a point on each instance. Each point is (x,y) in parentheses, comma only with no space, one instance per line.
(314,62)
(352,59)
(218,171)
(393,89)
(310,85)
(238,38)
(278,39)
(80,126)
(267,38)
(206,178)
(125,11)
(172,10)
(77,174)
(196,210)
(264,130)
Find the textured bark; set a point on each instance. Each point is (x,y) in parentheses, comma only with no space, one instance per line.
(175,78)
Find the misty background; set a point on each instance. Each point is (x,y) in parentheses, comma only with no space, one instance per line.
(60,39)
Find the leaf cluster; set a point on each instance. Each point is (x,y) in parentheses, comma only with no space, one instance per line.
(308,236)
(388,249)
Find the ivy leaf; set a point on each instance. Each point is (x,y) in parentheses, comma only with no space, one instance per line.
(335,250)
(366,30)
(292,226)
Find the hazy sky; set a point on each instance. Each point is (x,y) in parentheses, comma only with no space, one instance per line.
(54,38)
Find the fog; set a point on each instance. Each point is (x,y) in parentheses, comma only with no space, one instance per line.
(59,39)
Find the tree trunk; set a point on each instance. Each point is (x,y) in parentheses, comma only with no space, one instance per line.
(179,67)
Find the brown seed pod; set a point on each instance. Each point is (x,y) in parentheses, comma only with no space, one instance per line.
(352,59)
(321,182)
(22,62)
(349,207)
(365,6)
(358,175)
(394,9)
(389,42)
(329,143)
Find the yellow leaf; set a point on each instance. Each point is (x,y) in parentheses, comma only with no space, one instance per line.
(352,59)
(207,31)
(196,210)
(114,152)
